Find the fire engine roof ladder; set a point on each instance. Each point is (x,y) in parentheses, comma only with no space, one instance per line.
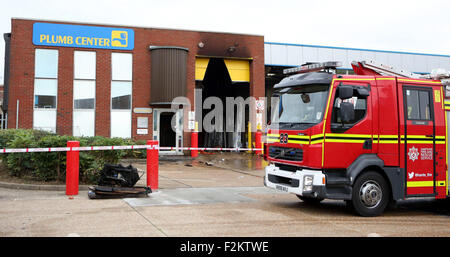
(371,67)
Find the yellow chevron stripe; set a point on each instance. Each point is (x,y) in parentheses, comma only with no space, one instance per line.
(349,135)
(298,142)
(344,141)
(388,141)
(425,183)
(299,137)
(420,81)
(378,78)
(423,142)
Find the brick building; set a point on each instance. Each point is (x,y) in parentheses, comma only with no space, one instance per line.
(115,81)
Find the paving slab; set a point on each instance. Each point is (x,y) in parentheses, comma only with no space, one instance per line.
(44,213)
(199,196)
(198,174)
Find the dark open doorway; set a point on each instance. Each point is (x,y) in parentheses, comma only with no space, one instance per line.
(167,135)
(217,83)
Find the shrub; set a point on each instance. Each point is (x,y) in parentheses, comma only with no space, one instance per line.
(52,166)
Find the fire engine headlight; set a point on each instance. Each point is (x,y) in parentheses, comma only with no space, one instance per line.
(308,182)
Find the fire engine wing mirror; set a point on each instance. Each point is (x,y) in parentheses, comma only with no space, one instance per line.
(345,92)
(347,112)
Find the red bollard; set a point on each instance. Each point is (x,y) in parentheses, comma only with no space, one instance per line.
(258,143)
(72,169)
(152,164)
(194,143)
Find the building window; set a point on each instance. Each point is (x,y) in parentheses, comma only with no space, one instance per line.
(121,91)
(84,93)
(120,95)
(45,89)
(418,104)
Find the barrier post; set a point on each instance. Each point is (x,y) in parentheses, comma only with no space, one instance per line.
(249,137)
(152,164)
(194,141)
(72,169)
(258,142)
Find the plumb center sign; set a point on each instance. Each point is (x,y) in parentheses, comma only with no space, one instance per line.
(50,34)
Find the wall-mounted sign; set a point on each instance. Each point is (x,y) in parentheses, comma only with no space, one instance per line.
(191,115)
(142,131)
(260,105)
(142,122)
(142,110)
(191,124)
(51,34)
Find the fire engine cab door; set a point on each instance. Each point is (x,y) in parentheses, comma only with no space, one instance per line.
(417,138)
(345,142)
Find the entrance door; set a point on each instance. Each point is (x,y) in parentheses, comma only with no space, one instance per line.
(168,129)
(419,140)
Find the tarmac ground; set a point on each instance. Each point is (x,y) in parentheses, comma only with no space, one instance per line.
(215,195)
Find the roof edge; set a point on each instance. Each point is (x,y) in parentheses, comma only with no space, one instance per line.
(356,49)
(131,26)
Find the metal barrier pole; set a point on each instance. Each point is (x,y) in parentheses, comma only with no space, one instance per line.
(72,169)
(152,164)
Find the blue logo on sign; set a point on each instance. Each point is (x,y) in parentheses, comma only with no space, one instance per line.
(50,34)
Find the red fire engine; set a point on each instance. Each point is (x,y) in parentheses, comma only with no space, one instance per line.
(368,139)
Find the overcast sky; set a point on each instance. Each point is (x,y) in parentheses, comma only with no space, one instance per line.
(409,26)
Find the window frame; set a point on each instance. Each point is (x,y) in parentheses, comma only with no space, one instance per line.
(82,79)
(95,96)
(131,93)
(339,126)
(37,78)
(419,89)
(56,94)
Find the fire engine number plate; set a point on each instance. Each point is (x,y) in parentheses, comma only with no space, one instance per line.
(281,188)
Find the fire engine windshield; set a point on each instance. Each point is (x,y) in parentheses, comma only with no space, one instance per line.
(300,106)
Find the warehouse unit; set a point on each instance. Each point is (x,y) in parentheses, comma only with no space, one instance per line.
(116,81)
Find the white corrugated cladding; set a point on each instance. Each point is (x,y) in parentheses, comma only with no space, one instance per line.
(281,54)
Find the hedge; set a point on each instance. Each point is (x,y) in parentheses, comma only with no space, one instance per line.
(52,166)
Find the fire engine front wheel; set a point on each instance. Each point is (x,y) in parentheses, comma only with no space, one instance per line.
(370,195)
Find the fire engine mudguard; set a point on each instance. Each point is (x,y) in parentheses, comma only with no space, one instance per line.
(362,163)
(394,175)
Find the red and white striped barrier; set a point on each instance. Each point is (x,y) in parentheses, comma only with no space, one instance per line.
(118,147)
(82,148)
(73,148)
(209,149)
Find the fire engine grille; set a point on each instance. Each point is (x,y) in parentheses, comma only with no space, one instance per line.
(283,153)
